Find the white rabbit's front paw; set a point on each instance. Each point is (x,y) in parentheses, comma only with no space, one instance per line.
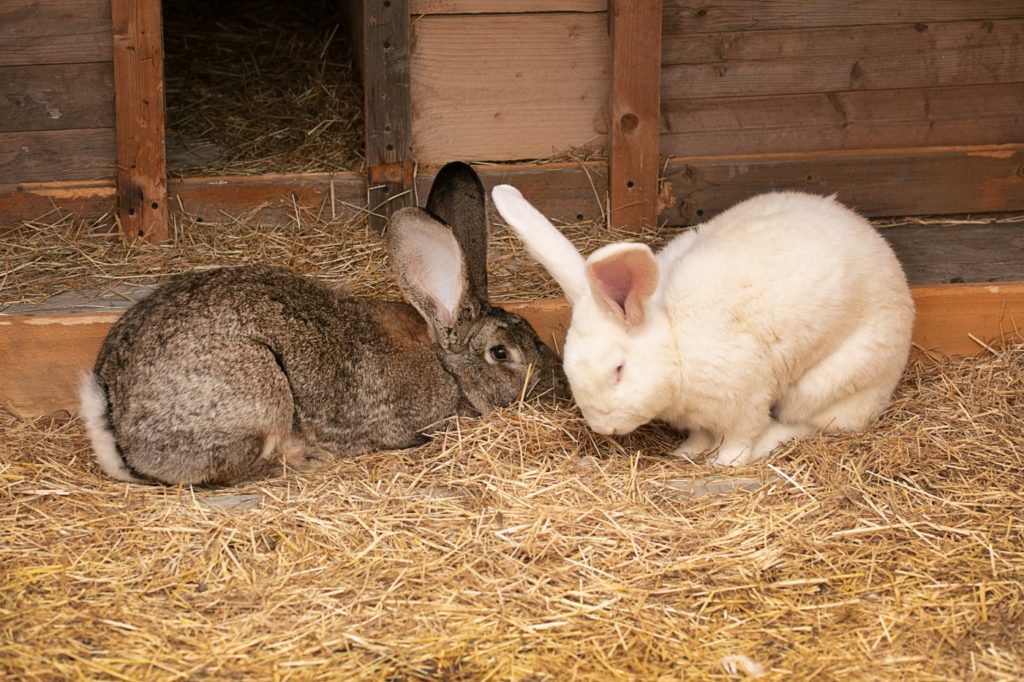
(697,442)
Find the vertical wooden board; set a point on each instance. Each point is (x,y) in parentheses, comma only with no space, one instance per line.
(139,111)
(508,87)
(635,105)
(54,31)
(385,60)
(56,96)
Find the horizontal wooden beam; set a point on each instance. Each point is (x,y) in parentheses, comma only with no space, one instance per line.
(45,354)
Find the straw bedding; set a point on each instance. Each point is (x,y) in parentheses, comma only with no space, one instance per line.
(521,546)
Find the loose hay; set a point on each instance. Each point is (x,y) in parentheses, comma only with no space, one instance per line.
(522,546)
(60,253)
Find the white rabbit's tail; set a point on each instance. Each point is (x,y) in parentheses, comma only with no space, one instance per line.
(93,409)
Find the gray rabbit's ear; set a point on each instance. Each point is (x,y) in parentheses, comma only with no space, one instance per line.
(431,271)
(458,198)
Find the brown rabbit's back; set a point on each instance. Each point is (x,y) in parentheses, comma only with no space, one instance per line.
(248,354)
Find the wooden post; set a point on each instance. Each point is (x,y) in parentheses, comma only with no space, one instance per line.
(635,106)
(139,119)
(388,114)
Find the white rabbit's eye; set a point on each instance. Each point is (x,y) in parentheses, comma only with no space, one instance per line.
(618,373)
(499,353)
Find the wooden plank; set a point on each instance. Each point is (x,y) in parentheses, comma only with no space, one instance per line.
(56,32)
(951,254)
(56,97)
(633,162)
(139,107)
(761,63)
(56,155)
(541,90)
(417,7)
(387,110)
(688,16)
(45,354)
(984,114)
(894,182)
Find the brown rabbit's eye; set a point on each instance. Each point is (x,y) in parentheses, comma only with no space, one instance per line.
(499,353)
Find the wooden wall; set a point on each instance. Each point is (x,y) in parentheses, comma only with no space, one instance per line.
(56,91)
(508,79)
(749,77)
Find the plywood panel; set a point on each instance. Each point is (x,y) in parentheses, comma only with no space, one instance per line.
(760,63)
(505,87)
(45,156)
(689,16)
(984,114)
(56,97)
(46,354)
(54,31)
(913,181)
(504,6)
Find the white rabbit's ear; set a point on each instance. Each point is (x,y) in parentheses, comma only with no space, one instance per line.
(546,244)
(431,271)
(623,277)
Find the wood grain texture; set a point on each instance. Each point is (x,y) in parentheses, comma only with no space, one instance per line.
(54,32)
(56,97)
(885,182)
(139,110)
(633,155)
(696,16)
(761,63)
(949,254)
(57,155)
(45,354)
(418,7)
(508,87)
(387,110)
(920,117)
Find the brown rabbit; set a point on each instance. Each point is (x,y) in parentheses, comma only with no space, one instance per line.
(218,376)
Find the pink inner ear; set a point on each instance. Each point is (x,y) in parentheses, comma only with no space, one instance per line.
(624,281)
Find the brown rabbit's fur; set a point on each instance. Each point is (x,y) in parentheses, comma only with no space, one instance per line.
(220,375)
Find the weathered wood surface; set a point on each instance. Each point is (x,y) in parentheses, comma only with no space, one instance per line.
(542,89)
(140,114)
(54,32)
(762,63)
(633,153)
(56,155)
(387,111)
(896,182)
(56,97)
(875,119)
(694,16)
(952,254)
(417,7)
(46,354)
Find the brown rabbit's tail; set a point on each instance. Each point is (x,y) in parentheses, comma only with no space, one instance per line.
(93,409)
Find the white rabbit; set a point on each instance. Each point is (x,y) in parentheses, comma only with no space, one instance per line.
(784,315)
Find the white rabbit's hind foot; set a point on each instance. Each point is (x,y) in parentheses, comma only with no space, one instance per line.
(697,442)
(738,452)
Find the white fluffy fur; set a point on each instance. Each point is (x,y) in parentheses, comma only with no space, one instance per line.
(786,314)
(93,409)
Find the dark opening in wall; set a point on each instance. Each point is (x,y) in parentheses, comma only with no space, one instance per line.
(260,86)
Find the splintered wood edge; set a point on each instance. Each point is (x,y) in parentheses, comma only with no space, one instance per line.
(45,355)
